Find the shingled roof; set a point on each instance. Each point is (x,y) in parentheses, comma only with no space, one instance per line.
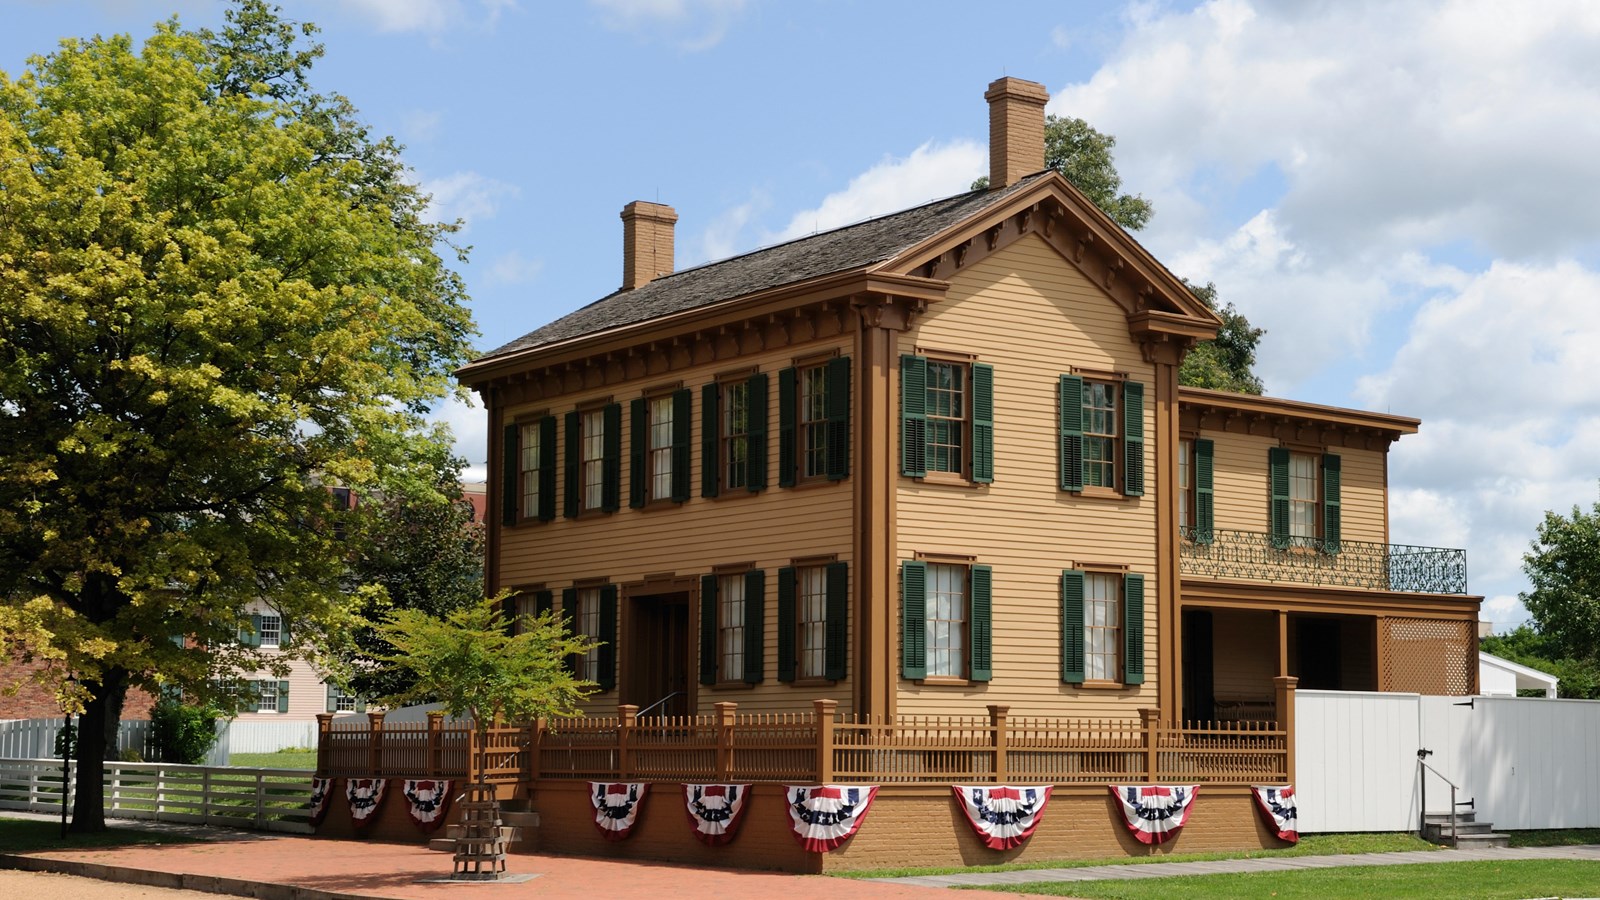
(842,249)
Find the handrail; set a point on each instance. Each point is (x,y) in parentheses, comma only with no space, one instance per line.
(640,713)
(1422,805)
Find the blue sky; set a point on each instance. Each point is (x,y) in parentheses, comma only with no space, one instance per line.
(1403,195)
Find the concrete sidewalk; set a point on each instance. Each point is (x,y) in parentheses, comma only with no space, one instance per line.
(1233,866)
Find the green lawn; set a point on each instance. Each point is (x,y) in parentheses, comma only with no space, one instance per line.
(1554,838)
(1510,879)
(283,759)
(24,835)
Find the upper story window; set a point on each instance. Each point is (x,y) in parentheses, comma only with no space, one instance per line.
(1195,496)
(593,459)
(1305,508)
(945,621)
(1186,483)
(659,462)
(1101,435)
(271,630)
(946,418)
(660,457)
(735,438)
(528,473)
(733,435)
(814,422)
(532,448)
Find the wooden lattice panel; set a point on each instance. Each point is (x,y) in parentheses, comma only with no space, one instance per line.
(1430,656)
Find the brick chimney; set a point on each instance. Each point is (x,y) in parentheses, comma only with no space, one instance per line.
(646,242)
(1016,130)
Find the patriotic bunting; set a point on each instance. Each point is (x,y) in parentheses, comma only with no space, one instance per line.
(1154,812)
(426,801)
(1003,816)
(1277,805)
(321,793)
(364,795)
(715,810)
(825,816)
(616,807)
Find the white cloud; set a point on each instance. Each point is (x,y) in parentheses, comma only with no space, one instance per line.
(932,171)
(693,25)
(514,268)
(428,15)
(470,425)
(721,239)
(421,124)
(467,196)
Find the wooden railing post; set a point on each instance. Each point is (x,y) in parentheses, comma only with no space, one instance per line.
(997,721)
(324,743)
(1284,688)
(535,750)
(1151,719)
(375,745)
(435,760)
(726,710)
(627,721)
(824,710)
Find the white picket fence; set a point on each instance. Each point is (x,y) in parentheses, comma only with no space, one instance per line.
(1524,762)
(36,738)
(261,799)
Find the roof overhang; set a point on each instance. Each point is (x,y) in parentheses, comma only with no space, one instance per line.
(1250,413)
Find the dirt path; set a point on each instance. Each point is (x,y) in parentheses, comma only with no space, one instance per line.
(45,886)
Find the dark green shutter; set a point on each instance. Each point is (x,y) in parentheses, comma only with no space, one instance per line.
(913,416)
(611,463)
(1278,510)
(1331,522)
(787,403)
(836,630)
(547,468)
(1069,398)
(788,624)
(569,602)
(639,420)
(1204,497)
(361,704)
(756,472)
(252,637)
(1133,439)
(838,410)
(283,628)
(1133,629)
(914,620)
(283,696)
(982,423)
(682,423)
(509,501)
(543,602)
(606,655)
(572,503)
(332,696)
(982,623)
(755,626)
(1072,626)
(708,629)
(710,438)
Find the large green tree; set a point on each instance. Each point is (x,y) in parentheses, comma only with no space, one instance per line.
(1083,156)
(218,296)
(1563,565)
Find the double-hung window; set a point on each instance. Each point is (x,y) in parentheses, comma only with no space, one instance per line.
(813,621)
(267,696)
(659,465)
(945,616)
(1102,627)
(732,627)
(532,453)
(1195,495)
(593,460)
(340,700)
(270,630)
(528,475)
(946,419)
(1101,435)
(1305,508)
(814,422)
(733,436)
(591,611)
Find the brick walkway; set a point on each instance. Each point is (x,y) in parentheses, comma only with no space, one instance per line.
(1232,866)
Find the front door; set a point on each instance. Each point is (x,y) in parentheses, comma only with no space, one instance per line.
(658,657)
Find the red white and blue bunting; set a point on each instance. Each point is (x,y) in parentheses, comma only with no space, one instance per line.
(616,807)
(1154,812)
(321,793)
(715,810)
(427,801)
(1277,805)
(1003,815)
(825,816)
(364,795)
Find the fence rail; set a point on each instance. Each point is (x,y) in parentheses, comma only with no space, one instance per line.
(820,745)
(1254,556)
(262,799)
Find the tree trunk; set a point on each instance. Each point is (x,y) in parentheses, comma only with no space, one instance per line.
(88,808)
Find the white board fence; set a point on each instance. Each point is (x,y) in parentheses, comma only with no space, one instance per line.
(36,738)
(261,799)
(1524,762)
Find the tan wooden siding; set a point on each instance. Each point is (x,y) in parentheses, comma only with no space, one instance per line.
(1244,654)
(1362,495)
(768,529)
(1033,316)
(1242,493)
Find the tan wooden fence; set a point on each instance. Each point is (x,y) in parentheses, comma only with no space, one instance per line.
(820,745)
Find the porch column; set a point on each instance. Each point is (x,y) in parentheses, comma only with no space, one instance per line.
(1283,643)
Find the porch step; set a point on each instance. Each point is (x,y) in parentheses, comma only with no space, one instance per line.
(1482,840)
(1469,832)
(1444,818)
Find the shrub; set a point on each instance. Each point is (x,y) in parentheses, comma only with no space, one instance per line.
(180,733)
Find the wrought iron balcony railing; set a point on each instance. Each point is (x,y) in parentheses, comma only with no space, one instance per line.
(1252,556)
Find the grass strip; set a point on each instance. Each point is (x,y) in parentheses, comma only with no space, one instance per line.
(28,835)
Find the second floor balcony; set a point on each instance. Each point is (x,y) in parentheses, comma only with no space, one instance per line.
(1256,556)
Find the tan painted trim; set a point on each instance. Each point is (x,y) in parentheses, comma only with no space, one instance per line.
(946,355)
(941,556)
(735,376)
(873,660)
(812,360)
(664,387)
(1169,620)
(1220,409)
(1325,600)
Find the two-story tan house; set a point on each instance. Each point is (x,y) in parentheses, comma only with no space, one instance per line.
(939,460)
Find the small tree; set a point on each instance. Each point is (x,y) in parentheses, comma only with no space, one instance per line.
(182,733)
(472,662)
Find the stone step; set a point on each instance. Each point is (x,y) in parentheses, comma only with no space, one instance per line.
(443,844)
(520,819)
(1481,840)
(1466,815)
(1434,831)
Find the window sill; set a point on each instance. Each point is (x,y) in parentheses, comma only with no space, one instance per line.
(732,686)
(947,478)
(734,492)
(1104,493)
(817,681)
(1101,685)
(816,481)
(944,681)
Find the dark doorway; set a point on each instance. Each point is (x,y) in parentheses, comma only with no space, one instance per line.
(1199,667)
(658,654)
(1319,646)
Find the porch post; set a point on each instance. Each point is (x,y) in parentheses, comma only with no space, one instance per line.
(324,726)
(1151,720)
(726,711)
(1284,687)
(627,720)
(1283,642)
(824,710)
(435,740)
(535,749)
(997,721)
(375,745)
